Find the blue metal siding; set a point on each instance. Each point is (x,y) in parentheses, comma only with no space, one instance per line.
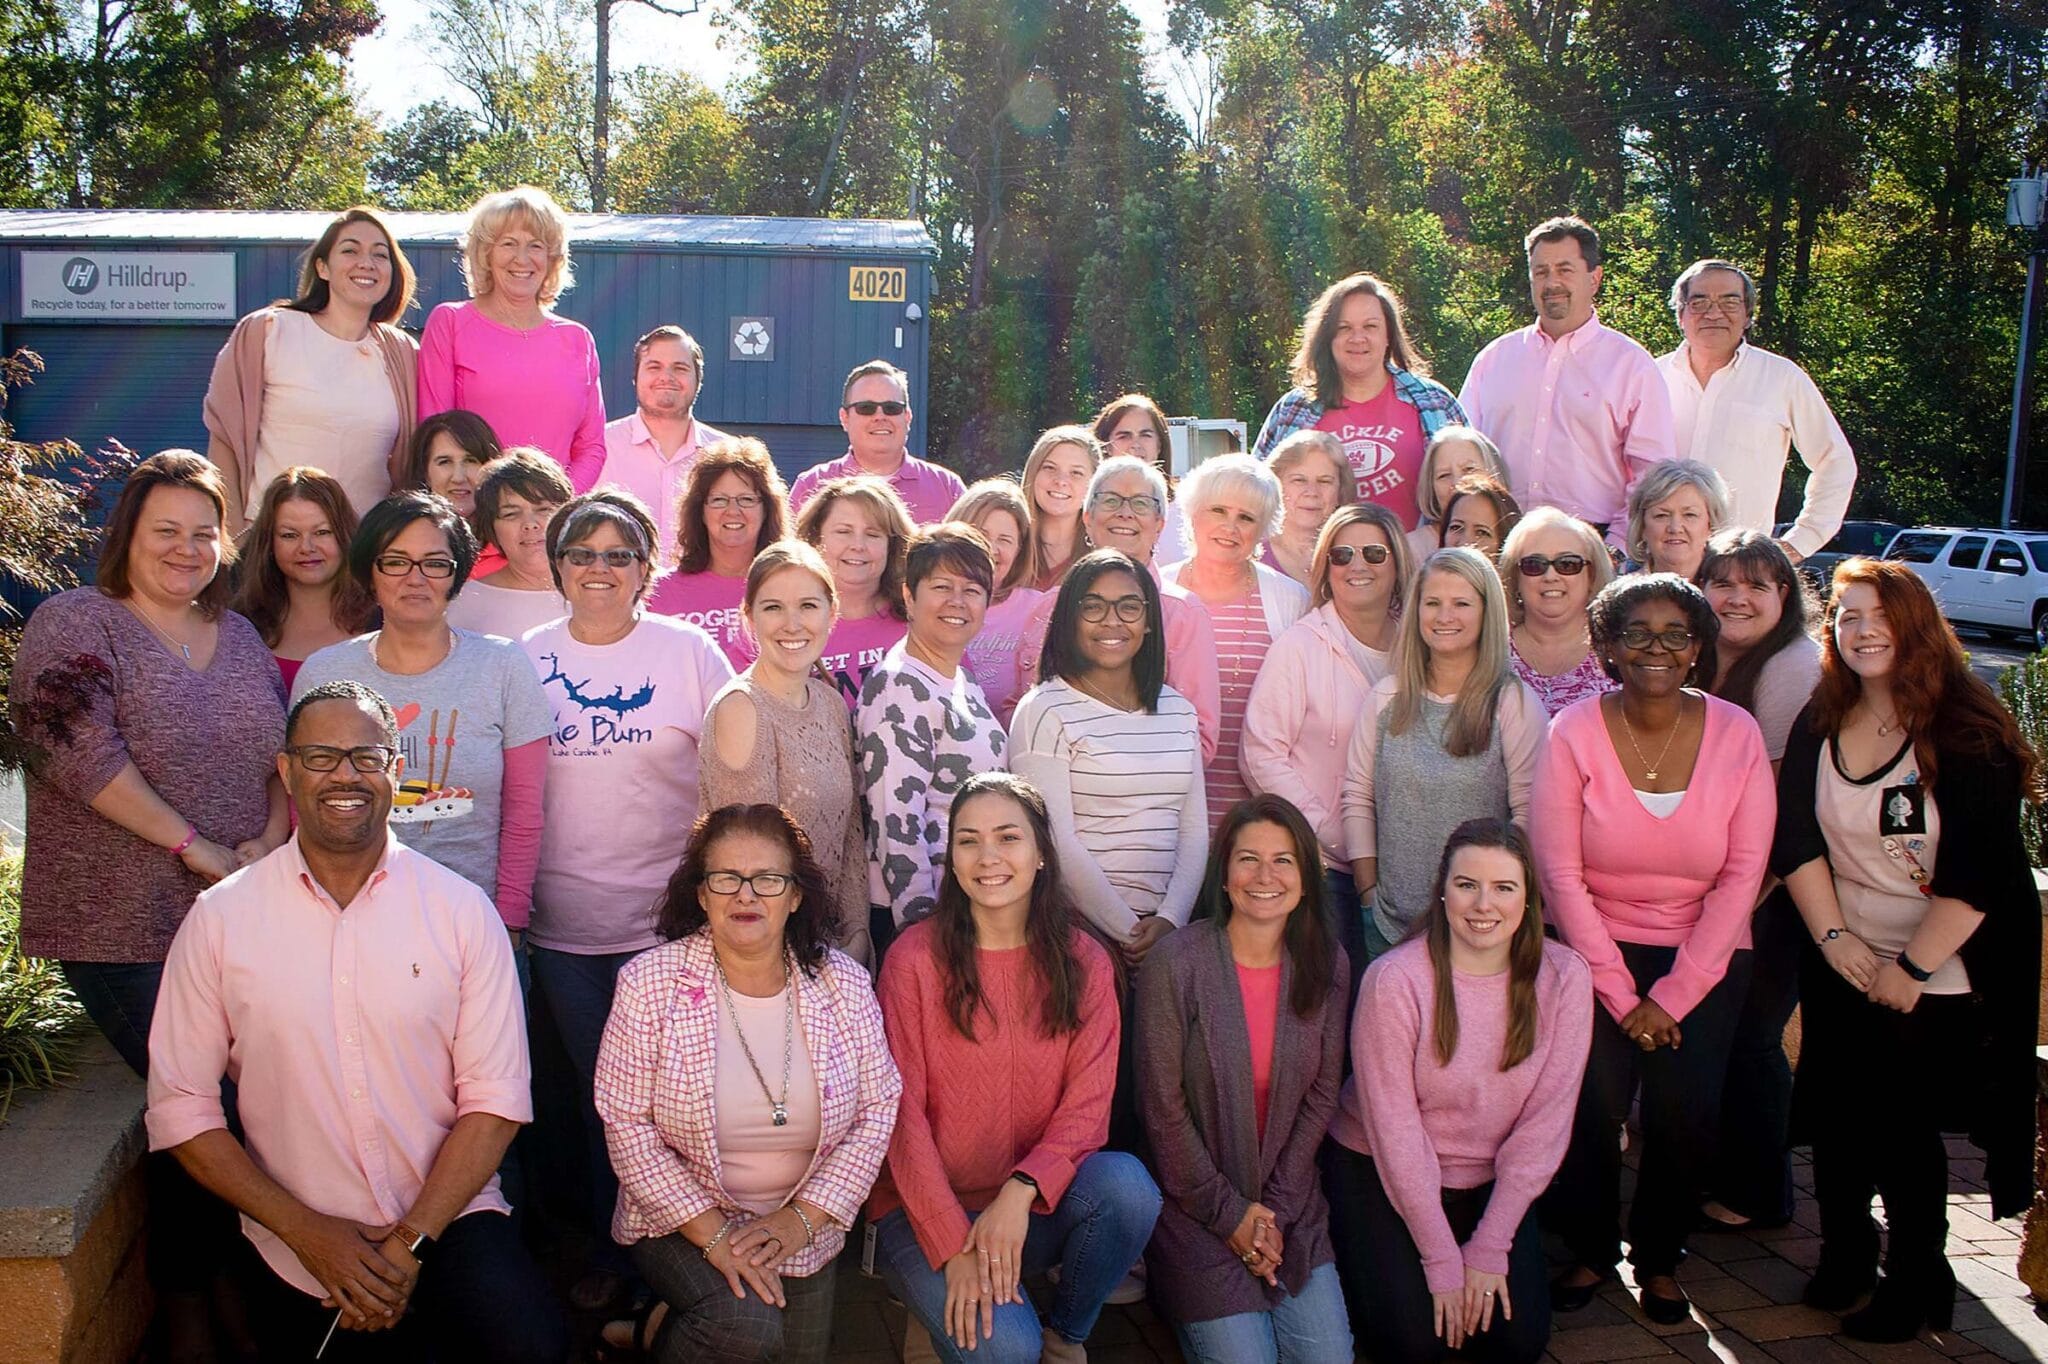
(624,288)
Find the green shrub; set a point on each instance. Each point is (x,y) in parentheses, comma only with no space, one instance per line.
(39,1016)
(2025,688)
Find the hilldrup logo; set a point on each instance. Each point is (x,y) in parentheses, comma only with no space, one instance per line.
(81,276)
(146,286)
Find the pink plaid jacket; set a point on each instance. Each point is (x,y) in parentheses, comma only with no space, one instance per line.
(655,1071)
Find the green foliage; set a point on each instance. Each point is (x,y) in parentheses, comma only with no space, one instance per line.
(2025,689)
(39,1016)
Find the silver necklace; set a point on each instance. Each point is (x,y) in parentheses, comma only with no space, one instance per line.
(779,1107)
(162,633)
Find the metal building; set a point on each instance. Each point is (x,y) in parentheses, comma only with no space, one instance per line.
(129,307)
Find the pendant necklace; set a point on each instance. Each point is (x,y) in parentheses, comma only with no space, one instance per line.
(1649,768)
(778,1108)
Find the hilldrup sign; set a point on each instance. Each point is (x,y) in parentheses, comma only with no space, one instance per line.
(156,286)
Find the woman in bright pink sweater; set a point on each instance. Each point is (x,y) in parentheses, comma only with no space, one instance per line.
(1654,808)
(505,355)
(1003,1019)
(1470,1041)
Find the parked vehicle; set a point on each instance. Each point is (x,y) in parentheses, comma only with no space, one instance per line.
(1997,579)
(1856,538)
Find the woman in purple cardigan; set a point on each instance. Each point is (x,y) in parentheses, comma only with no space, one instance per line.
(1240,1259)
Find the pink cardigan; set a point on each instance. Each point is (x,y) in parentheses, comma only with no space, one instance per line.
(534,388)
(1613,872)
(1297,725)
(1431,1127)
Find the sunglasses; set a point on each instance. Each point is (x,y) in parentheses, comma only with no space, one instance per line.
(868,408)
(1536,565)
(1340,555)
(583,556)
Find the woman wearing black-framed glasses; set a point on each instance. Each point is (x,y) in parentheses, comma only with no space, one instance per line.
(1553,565)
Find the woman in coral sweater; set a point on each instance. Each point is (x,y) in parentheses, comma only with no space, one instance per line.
(1471,1039)
(1003,1019)
(1654,807)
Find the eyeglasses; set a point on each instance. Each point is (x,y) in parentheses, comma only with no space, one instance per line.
(325,757)
(1536,565)
(1340,555)
(1095,610)
(868,408)
(1699,305)
(401,565)
(1641,637)
(1143,504)
(583,556)
(718,502)
(766,884)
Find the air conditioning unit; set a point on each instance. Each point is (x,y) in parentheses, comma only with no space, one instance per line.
(1195,439)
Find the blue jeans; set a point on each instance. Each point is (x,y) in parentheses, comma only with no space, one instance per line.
(1308,1328)
(579,995)
(1094,1235)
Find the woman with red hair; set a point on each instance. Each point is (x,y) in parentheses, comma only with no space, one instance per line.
(1899,839)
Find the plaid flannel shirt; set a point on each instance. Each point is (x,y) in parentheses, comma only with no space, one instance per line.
(1298,411)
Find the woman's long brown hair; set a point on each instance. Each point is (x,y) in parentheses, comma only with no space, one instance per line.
(264,595)
(1048,921)
(1310,945)
(1525,953)
(1934,693)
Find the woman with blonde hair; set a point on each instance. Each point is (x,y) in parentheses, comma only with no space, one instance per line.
(1056,475)
(1553,565)
(1452,720)
(1315,480)
(324,379)
(863,530)
(295,588)
(1358,376)
(1453,452)
(505,354)
(1673,511)
(996,507)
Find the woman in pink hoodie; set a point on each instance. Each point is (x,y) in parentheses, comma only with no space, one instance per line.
(1313,687)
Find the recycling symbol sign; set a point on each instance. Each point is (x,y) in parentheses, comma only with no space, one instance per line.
(751,338)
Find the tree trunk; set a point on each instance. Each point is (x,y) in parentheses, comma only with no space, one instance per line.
(989,228)
(1774,261)
(1964,153)
(601,110)
(821,193)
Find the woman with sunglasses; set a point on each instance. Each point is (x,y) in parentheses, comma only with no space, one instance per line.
(1554,565)
(473,725)
(1306,703)
(1653,807)
(629,690)
(1899,838)
(748,1096)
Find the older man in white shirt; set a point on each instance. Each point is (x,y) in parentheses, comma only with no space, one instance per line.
(1743,409)
(650,451)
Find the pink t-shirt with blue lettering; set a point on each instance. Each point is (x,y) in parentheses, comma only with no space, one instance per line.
(1384,442)
(710,602)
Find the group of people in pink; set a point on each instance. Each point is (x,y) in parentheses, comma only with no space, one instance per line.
(1268,890)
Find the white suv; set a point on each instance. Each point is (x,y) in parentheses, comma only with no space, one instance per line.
(1992,578)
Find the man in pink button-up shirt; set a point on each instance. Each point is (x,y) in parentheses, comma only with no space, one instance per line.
(362,998)
(650,451)
(876,438)
(1578,410)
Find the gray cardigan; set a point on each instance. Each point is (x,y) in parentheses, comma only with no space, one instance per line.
(1195,1091)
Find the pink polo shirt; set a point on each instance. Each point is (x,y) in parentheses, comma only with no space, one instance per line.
(1578,419)
(357,1035)
(929,490)
(633,460)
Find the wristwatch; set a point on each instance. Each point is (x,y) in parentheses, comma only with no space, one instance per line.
(1026,1180)
(1907,965)
(416,1242)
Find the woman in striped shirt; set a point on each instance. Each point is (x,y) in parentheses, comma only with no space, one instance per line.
(1233,506)
(1115,751)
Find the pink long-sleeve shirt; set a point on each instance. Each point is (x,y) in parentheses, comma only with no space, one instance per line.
(1430,1127)
(1579,419)
(537,387)
(1191,661)
(1009,1098)
(1613,872)
(357,1034)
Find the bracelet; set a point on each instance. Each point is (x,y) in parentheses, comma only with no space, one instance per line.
(810,1232)
(1912,969)
(712,1244)
(191,837)
(1824,939)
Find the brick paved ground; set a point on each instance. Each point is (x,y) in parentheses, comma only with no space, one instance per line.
(1744,1286)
